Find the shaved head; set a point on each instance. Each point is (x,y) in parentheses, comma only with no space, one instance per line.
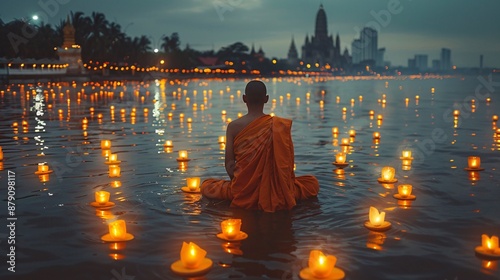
(256,92)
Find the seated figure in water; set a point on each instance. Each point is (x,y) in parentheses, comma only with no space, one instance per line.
(259,160)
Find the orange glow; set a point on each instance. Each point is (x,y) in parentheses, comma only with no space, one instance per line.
(344,141)
(474,162)
(43,178)
(406,154)
(117,229)
(375,217)
(183,155)
(340,158)
(222,139)
(335,130)
(352,133)
(491,244)
(42,167)
(168,144)
(114,171)
(388,173)
(113,158)
(231,228)
(321,265)
(404,190)
(105,144)
(106,153)
(474,176)
(193,183)
(192,255)
(102,197)
(376,135)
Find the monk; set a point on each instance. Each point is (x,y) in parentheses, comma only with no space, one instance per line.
(259,160)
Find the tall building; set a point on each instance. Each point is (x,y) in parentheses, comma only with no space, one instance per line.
(436,65)
(445,59)
(380,57)
(369,43)
(365,49)
(321,48)
(70,52)
(293,56)
(356,50)
(421,62)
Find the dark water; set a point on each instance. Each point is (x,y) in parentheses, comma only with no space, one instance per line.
(58,234)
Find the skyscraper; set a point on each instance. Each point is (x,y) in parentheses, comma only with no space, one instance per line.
(421,62)
(365,49)
(445,59)
(369,42)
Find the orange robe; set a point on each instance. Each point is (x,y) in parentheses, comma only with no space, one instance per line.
(263,176)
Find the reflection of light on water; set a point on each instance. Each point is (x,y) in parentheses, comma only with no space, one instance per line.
(489,266)
(375,240)
(38,107)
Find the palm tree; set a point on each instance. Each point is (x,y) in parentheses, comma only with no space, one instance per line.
(96,39)
(171,44)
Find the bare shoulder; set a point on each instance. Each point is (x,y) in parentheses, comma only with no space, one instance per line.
(234,127)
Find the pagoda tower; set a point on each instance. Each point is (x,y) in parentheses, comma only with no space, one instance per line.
(70,53)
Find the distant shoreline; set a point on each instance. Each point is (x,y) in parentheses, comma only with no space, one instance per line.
(6,80)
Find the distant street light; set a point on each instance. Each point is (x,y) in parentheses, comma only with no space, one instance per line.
(34,17)
(156,50)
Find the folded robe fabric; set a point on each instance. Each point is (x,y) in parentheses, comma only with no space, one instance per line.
(263,177)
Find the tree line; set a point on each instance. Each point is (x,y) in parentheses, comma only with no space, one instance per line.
(105,41)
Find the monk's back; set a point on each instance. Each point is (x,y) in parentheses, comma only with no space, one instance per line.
(236,126)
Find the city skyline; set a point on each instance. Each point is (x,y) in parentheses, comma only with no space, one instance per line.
(405,28)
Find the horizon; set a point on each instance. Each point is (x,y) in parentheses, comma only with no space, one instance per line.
(405,28)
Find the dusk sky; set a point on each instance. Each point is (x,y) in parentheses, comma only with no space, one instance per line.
(468,28)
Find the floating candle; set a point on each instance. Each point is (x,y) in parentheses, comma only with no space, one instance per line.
(340,158)
(117,232)
(192,262)
(102,200)
(344,142)
(192,255)
(489,247)
(183,156)
(375,217)
(168,144)
(102,197)
(321,266)
(114,171)
(377,220)
(43,168)
(456,113)
(406,154)
(352,133)
(474,163)
(404,192)
(231,229)
(387,175)
(105,144)
(193,185)
(222,139)
(113,159)
(376,135)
